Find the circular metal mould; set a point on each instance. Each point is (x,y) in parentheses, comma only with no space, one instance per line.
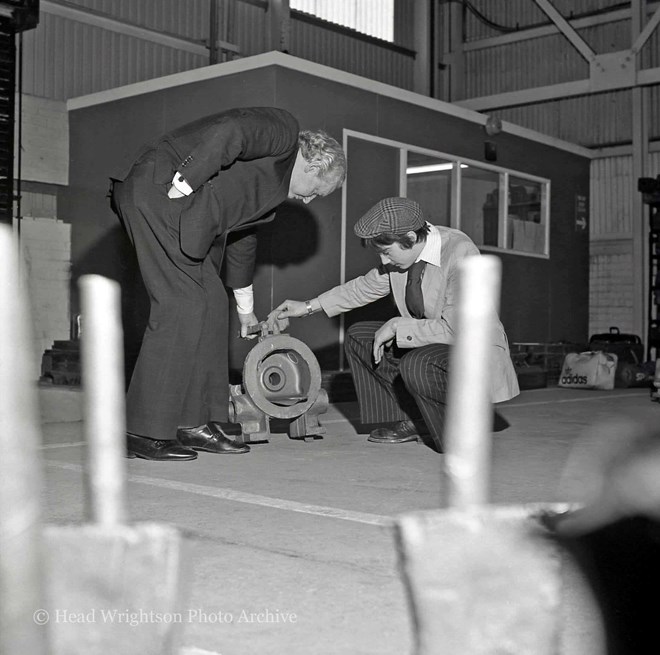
(282,376)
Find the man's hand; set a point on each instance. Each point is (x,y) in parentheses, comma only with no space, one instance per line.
(247,321)
(276,325)
(290,309)
(278,319)
(384,336)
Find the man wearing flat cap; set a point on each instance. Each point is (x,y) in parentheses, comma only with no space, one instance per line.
(400,367)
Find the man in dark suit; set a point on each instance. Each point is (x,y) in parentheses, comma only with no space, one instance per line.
(189,203)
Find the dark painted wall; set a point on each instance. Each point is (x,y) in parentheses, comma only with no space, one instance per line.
(299,253)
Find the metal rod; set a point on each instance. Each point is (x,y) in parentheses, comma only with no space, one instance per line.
(469,410)
(21,568)
(104,399)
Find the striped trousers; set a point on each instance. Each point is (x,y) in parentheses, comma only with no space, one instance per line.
(407,384)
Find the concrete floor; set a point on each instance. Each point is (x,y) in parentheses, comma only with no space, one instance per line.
(302,531)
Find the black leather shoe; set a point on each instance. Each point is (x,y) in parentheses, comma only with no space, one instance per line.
(157,449)
(400,432)
(211,438)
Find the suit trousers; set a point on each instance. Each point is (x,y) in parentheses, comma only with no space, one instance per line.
(408,384)
(181,375)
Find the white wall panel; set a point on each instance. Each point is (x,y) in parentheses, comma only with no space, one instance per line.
(373,17)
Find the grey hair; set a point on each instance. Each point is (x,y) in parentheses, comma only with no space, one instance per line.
(319,147)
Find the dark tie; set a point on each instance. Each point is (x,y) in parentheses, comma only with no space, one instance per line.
(414,297)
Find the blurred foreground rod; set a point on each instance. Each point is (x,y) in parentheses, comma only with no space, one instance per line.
(481,578)
(469,408)
(104,398)
(22,594)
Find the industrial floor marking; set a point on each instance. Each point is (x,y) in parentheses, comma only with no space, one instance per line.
(569,400)
(278,503)
(245,497)
(606,396)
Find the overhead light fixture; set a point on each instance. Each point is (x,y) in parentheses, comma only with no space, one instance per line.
(431,168)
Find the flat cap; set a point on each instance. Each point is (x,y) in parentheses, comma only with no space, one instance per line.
(392,215)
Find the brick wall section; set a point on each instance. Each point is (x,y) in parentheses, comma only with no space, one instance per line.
(45,240)
(611,285)
(45,140)
(46,252)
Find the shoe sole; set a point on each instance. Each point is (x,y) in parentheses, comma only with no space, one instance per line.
(187,458)
(413,437)
(219,452)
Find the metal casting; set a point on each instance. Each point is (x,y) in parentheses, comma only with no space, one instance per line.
(281,380)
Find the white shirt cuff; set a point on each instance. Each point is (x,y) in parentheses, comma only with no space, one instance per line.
(179,183)
(244,300)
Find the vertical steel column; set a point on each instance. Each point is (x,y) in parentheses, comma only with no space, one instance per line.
(640,230)
(280,24)
(455,55)
(213,32)
(7,116)
(423,26)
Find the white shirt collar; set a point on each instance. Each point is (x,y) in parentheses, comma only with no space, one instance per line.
(432,250)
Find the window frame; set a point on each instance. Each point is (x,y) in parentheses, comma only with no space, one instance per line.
(455,200)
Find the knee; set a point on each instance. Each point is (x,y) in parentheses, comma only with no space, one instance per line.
(358,330)
(407,368)
(414,371)
(359,333)
(352,332)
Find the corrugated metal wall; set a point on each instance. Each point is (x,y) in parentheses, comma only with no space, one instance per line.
(592,121)
(189,18)
(249,29)
(612,261)
(515,65)
(612,189)
(611,197)
(525,13)
(64,58)
(352,55)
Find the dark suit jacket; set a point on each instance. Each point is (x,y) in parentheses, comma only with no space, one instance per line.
(239,165)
